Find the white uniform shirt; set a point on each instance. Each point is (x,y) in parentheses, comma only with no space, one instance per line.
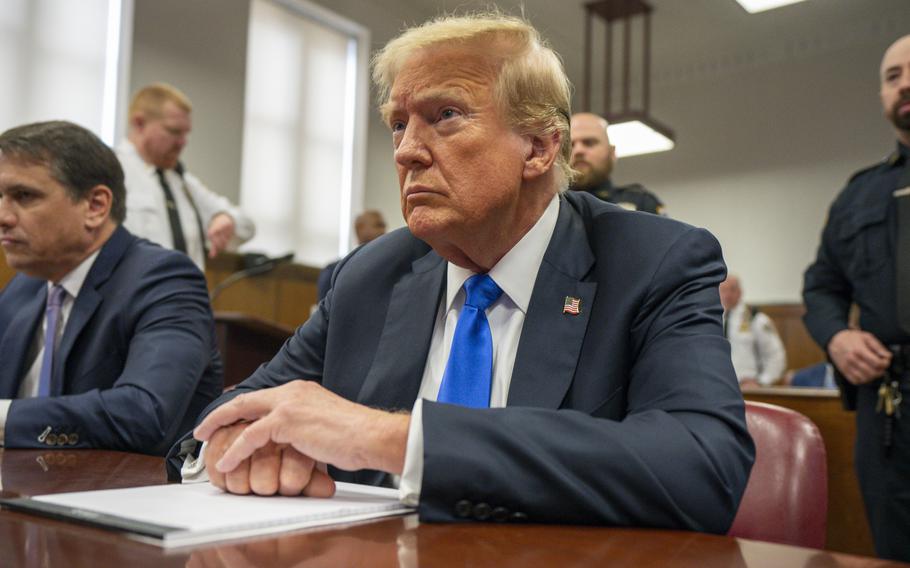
(755,346)
(146,211)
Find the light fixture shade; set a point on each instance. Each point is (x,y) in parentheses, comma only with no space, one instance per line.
(753,6)
(639,136)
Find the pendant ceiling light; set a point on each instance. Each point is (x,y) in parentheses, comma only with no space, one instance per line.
(632,129)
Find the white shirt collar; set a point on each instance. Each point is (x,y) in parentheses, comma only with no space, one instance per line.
(73,281)
(516,272)
(127,148)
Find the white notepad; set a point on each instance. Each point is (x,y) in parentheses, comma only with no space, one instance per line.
(182,515)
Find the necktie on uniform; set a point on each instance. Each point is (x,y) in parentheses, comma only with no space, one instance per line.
(469,371)
(172,215)
(52,315)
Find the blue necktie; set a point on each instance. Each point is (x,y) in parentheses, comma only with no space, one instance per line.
(469,372)
(52,313)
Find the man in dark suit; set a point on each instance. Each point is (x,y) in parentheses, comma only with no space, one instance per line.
(599,388)
(106,340)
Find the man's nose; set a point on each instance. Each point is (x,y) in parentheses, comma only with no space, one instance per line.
(412,151)
(577,149)
(7,215)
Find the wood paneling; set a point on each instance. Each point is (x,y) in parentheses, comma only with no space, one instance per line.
(801,348)
(245,343)
(285,295)
(848,530)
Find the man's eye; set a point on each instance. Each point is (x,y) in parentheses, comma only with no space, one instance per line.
(448,113)
(397,125)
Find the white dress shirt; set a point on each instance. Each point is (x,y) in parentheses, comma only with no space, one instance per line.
(28,388)
(146,211)
(515,274)
(755,347)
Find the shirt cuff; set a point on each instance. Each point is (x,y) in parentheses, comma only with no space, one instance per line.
(412,475)
(193,470)
(4,413)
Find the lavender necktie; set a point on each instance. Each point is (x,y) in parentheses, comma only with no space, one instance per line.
(52,314)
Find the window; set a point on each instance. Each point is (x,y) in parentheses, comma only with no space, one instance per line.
(62,60)
(304,129)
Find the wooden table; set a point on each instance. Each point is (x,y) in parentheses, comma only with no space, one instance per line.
(34,541)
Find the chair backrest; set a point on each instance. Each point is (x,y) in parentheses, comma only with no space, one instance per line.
(786,499)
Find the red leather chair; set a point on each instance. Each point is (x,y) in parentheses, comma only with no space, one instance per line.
(786,499)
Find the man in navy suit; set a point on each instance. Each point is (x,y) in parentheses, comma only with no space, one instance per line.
(106,340)
(594,334)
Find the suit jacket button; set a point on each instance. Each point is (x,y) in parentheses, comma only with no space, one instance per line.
(62,439)
(463,509)
(482,511)
(74,439)
(51,439)
(500,514)
(518,517)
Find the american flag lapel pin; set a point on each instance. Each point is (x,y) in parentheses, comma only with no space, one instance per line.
(572,306)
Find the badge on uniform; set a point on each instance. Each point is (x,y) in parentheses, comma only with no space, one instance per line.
(572,306)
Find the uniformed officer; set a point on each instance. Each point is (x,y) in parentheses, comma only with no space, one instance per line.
(757,351)
(593,157)
(864,258)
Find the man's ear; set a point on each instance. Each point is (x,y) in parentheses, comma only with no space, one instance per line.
(98,202)
(540,155)
(137,121)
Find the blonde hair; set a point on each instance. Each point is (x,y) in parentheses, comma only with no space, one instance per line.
(531,87)
(150,100)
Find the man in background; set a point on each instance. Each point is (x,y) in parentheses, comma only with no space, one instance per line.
(165,203)
(864,258)
(368,226)
(106,340)
(593,157)
(757,351)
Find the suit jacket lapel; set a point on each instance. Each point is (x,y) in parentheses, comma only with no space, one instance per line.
(394,378)
(551,339)
(88,301)
(17,340)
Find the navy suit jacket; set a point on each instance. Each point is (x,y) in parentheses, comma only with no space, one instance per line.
(137,361)
(626,414)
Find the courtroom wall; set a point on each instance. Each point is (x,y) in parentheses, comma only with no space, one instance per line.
(200,47)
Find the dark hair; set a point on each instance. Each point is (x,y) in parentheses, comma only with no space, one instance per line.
(74,156)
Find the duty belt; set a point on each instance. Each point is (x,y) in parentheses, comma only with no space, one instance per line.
(889,393)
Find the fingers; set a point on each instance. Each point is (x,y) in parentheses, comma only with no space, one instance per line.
(265,465)
(237,480)
(296,471)
(320,485)
(255,436)
(859,356)
(248,406)
(212,455)
(875,346)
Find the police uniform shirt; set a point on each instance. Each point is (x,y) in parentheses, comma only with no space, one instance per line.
(755,347)
(633,196)
(856,261)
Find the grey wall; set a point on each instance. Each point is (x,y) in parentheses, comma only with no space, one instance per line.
(200,47)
